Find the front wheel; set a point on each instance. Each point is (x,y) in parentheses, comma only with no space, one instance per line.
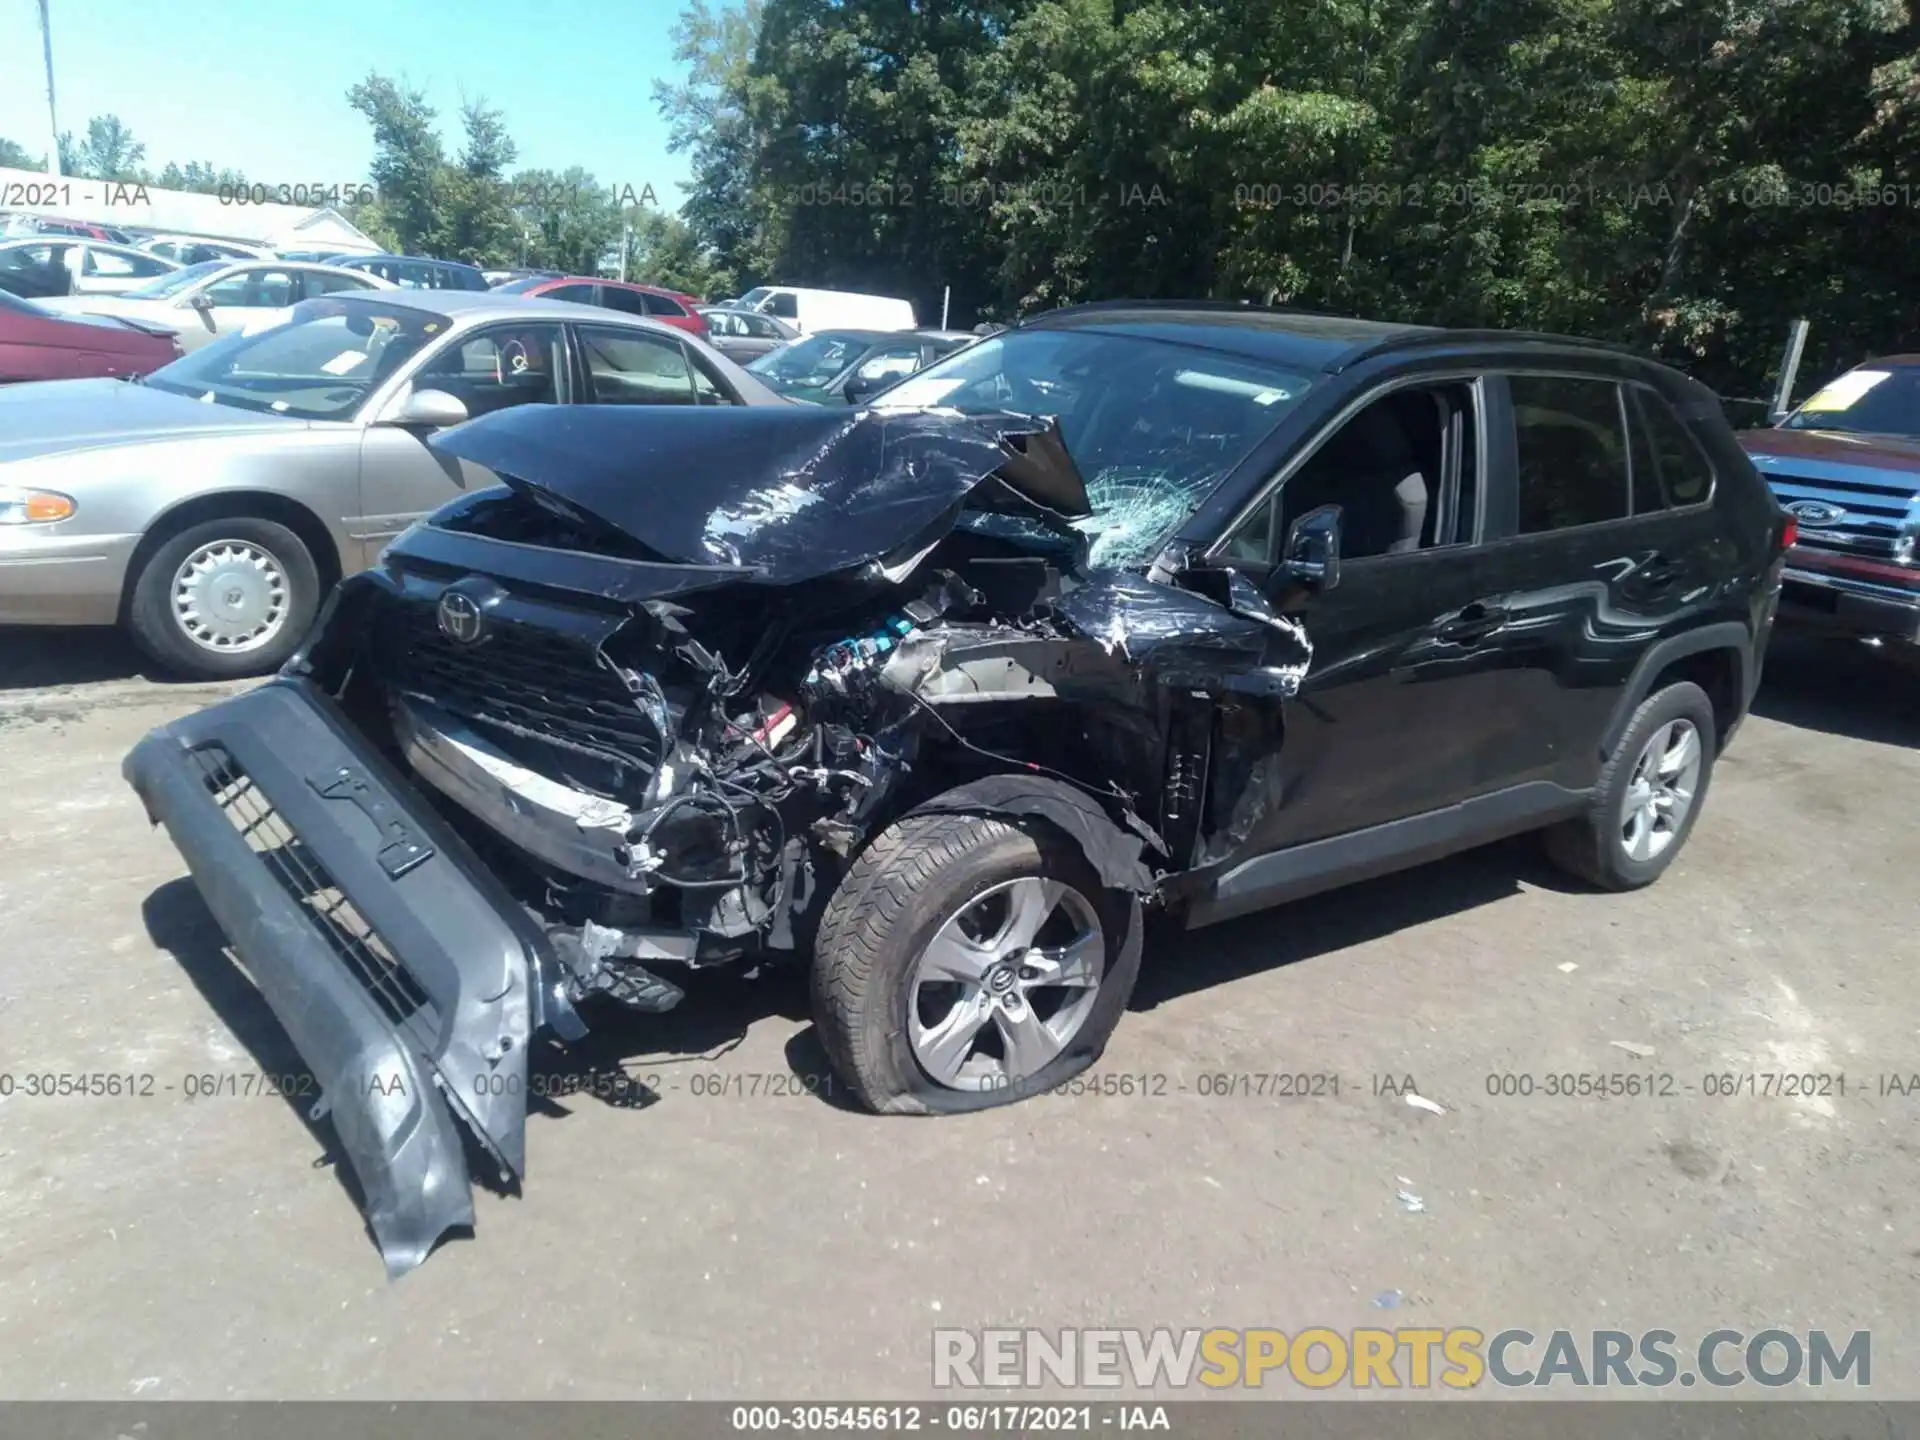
(964,963)
(224,599)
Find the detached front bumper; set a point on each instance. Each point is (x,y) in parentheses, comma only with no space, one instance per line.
(403,972)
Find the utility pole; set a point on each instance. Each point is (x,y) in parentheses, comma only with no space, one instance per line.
(53,123)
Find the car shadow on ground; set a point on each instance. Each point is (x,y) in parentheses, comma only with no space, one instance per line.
(179,922)
(36,658)
(1842,687)
(631,1061)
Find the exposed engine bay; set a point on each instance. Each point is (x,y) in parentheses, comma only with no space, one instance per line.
(668,719)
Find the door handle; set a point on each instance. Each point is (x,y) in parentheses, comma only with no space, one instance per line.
(1476,622)
(1659,572)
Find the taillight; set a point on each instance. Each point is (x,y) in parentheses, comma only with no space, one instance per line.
(1790,535)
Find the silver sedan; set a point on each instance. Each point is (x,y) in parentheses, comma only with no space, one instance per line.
(218,297)
(209,507)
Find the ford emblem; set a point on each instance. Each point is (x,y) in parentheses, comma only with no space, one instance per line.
(1814,514)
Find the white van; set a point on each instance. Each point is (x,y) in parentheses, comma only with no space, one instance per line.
(813,310)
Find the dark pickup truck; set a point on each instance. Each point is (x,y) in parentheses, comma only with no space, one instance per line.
(1846,467)
(1129,607)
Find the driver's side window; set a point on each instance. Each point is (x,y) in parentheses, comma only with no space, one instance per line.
(1388,470)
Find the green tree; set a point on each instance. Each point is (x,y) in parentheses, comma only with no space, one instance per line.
(568,221)
(476,220)
(197,178)
(108,153)
(662,249)
(14,156)
(712,121)
(409,164)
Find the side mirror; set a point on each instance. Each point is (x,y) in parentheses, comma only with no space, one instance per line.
(858,391)
(426,409)
(1311,556)
(203,306)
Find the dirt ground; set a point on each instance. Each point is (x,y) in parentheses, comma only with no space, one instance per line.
(741,1237)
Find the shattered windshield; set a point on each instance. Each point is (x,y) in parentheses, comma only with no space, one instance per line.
(1152,426)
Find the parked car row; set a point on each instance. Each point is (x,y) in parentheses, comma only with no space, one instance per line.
(208,506)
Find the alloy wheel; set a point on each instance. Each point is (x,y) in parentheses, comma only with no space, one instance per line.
(1660,790)
(1005,984)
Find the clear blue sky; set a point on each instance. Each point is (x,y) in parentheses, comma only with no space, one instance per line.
(260,85)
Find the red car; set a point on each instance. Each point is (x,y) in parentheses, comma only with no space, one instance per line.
(670,307)
(36,344)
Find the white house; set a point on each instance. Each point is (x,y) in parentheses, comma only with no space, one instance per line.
(221,217)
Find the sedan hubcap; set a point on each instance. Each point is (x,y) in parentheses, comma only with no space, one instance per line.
(1660,790)
(1005,984)
(230,597)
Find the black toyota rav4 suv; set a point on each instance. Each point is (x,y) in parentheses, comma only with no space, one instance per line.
(1126,608)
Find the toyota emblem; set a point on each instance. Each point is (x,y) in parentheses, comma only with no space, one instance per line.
(1816,514)
(460,618)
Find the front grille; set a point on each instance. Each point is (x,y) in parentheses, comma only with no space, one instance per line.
(525,681)
(1876,509)
(325,905)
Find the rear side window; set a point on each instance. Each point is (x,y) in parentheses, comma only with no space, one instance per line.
(664,305)
(579,294)
(1670,468)
(627,302)
(1572,452)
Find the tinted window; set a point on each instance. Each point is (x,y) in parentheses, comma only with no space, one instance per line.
(580,294)
(1669,467)
(1572,451)
(664,305)
(627,302)
(787,307)
(627,367)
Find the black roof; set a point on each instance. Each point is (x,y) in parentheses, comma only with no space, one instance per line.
(1288,337)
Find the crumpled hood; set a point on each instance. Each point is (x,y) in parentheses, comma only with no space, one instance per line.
(789,493)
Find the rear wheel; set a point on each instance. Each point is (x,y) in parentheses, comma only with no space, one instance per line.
(964,963)
(1649,795)
(224,598)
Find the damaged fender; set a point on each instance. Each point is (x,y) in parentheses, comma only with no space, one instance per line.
(1115,853)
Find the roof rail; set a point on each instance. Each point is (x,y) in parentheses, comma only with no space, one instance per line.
(1235,307)
(1423,338)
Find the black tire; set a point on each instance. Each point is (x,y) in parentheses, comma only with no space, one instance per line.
(1592,848)
(150,615)
(877,923)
